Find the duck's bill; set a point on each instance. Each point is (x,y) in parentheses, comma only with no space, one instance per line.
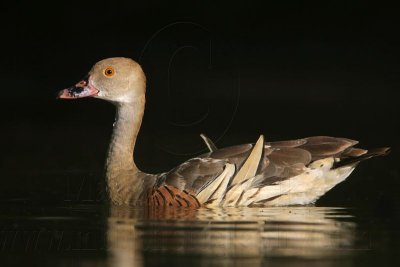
(82,89)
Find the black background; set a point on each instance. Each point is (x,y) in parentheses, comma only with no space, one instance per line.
(230,70)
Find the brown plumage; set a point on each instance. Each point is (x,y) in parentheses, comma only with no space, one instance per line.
(280,162)
(265,173)
(171,196)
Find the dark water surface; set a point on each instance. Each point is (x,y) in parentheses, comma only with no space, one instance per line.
(96,235)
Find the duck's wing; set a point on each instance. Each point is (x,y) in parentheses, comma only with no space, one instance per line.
(198,180)
(183,185)
(259,173)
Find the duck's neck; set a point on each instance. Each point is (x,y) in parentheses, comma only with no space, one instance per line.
(126,128)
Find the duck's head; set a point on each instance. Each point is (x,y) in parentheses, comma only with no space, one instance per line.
(118,80)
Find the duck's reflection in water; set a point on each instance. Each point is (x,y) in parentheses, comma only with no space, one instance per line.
(225,235)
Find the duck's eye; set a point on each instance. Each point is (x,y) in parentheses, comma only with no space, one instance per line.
(109,72)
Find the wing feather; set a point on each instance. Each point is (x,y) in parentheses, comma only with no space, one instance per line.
(260,173)
(250,167)
(326,146)
(216,189)
(195,174)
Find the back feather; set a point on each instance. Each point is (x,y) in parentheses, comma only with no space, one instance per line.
(273,173)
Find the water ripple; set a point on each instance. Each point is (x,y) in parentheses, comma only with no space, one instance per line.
(227,233)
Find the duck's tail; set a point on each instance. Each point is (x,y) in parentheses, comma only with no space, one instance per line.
(355,159)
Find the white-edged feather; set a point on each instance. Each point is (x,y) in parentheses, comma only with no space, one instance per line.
(249,168)
(220,182)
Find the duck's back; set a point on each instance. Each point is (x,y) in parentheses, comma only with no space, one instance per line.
(293,172)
